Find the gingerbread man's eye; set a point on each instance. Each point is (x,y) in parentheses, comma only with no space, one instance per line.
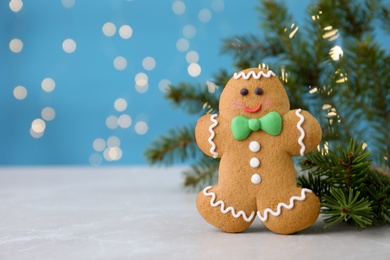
(259,91)
(244,92)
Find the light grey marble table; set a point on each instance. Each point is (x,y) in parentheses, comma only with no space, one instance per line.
(144,213)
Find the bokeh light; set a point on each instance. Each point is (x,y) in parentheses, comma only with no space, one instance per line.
(141,79)
(163,85)
(125,31)
(178,7)
(20,92)
(330,33)
(336,52)
(68,3)
(141,82)
(120,104)
(35,134)
(38,125)
(149,63)
(16,45)
(110,148)
(211,87)
(120,63)
(69,45)
(95,159)
(142,89)
(109,29)
(192,57)
(112,154)
(113,141)
(112,122)
(115,153)
(205,15)
(217,5)
(48,113)
(141,127)
(194,70)
(15,5)
(124,121)
(182,45)
(99,144)
(48,84)
(189,31)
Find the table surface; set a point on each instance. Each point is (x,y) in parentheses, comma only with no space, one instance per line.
(144,213)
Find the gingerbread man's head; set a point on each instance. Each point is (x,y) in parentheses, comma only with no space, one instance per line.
(253,93)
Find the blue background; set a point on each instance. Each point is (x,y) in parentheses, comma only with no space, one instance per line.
(86,81)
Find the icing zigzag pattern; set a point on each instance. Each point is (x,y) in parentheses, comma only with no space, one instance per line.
(282,204)
(250,218)
(252,73)
(213,146)
(299,126)
(223,210)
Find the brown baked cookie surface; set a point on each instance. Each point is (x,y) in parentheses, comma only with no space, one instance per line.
(255,135)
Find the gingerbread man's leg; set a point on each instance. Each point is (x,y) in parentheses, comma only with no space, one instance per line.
(292,211)
(218,207)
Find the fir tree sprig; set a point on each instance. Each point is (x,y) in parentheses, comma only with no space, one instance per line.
(315,183)
(177,146)
(202,174)
(349,189)
(193,99)
(341,207)
(384,15)
(377,187)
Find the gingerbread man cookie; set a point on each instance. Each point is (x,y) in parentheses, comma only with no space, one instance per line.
(255,135)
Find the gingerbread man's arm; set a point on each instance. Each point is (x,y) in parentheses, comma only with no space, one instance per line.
(208,135)
(301,132)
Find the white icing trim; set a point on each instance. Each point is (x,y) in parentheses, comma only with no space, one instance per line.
(282,204)
(213,146)
(223,210)
(299,126)
(250,218)
(252,73)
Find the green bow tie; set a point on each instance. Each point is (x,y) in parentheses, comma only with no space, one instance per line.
(242,126)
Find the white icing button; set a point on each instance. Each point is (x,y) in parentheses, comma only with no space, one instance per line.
(254,146)
(254,162)
(256,179)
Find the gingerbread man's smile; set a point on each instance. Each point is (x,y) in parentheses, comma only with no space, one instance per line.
(254,110)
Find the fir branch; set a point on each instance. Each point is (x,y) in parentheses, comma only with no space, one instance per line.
(221,78)
(179,145)
(368,76)
(314,183)
(274,17)
(351,207)
(377,187)
(351,17)
(192,99)
(348,187)
(384,18)
(202,174)
(250,50)
(344,169)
